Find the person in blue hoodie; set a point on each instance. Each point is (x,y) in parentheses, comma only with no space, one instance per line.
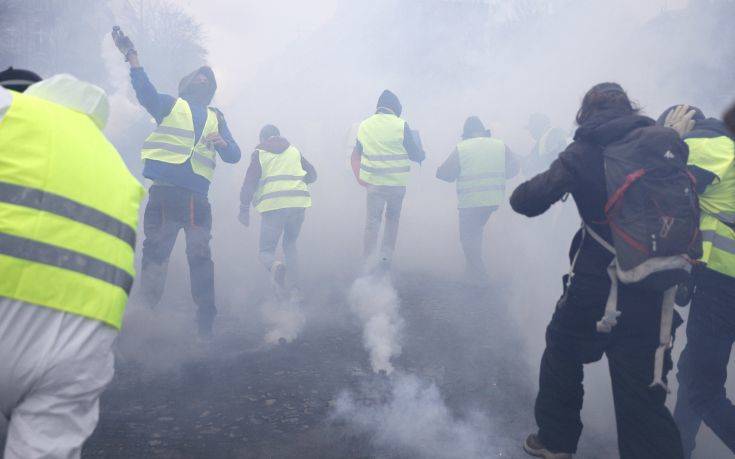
(179,157)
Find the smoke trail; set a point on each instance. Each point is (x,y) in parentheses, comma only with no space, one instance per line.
(375,302)
(284,319)
(415,421)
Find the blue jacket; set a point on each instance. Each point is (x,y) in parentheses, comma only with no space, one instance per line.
(159,106)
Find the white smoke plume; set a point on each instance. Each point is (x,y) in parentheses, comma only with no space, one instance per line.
(284,320)
(414,421)
(375,302)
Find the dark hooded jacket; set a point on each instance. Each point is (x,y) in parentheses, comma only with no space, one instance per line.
(276,145)
(160,105)
(579,171)
(388,102)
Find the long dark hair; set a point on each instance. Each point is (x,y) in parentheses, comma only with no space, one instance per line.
(605,96)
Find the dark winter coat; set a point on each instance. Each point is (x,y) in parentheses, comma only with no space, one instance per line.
(579,171)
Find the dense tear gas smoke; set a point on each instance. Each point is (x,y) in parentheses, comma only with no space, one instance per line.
(284,320)
(124,109)
(375,302)
(414,421)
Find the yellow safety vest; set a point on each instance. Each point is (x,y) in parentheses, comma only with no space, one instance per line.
(384,158)
(717,155)
(173,140)
(281,181)
(68,212)
(481,180)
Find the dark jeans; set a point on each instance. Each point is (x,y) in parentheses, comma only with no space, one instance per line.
(273,225)
(472,221)
(379,199)
(703,362)
(645,427)
(169,210)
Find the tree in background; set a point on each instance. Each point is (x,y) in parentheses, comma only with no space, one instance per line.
(55,36)
(169,41)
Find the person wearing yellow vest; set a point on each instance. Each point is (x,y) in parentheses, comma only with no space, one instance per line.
(480,165)
(381,162)
(711,323)
(276,183)
(68,218)
(179,157)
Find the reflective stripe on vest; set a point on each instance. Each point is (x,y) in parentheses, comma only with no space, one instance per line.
(173,140)
(716,155)
(67,230)
(384,159)
(282,181)
(481,181)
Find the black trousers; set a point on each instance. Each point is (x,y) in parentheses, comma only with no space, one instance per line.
(645,426)
(169,210)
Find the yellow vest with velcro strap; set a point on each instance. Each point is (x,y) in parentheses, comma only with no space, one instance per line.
(384,159)
(717,155)
(68,212)
(282,183)
(481,180)
(173,140)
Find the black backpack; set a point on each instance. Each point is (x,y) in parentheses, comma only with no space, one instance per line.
(652,207)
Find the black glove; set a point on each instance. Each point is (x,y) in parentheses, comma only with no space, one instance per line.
(123,43)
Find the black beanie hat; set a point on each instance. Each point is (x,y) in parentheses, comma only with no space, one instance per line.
(473,127)
(17,79)
(269,131)
(390,101)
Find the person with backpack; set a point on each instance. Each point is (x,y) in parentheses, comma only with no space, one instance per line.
(711,325)
(480,165)
(598,313)
(276,183)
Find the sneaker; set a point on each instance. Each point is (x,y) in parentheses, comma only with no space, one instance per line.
(534,447)
(278,274)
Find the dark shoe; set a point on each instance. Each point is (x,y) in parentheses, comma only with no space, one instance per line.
(534,447)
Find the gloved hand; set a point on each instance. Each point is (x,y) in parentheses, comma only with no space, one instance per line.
(680,119)
(244,216)
(123,42)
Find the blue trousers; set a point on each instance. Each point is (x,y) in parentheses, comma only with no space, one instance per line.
(703,362)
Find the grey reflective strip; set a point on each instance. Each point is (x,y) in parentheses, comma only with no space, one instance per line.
(65,207)
(204,160)
(175,131)
(385,157)
(475,189)
(282,194)
(51,255)
(727,217)
(385,170)
(167,146)
(279,178)
(489,175)
(719,241)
